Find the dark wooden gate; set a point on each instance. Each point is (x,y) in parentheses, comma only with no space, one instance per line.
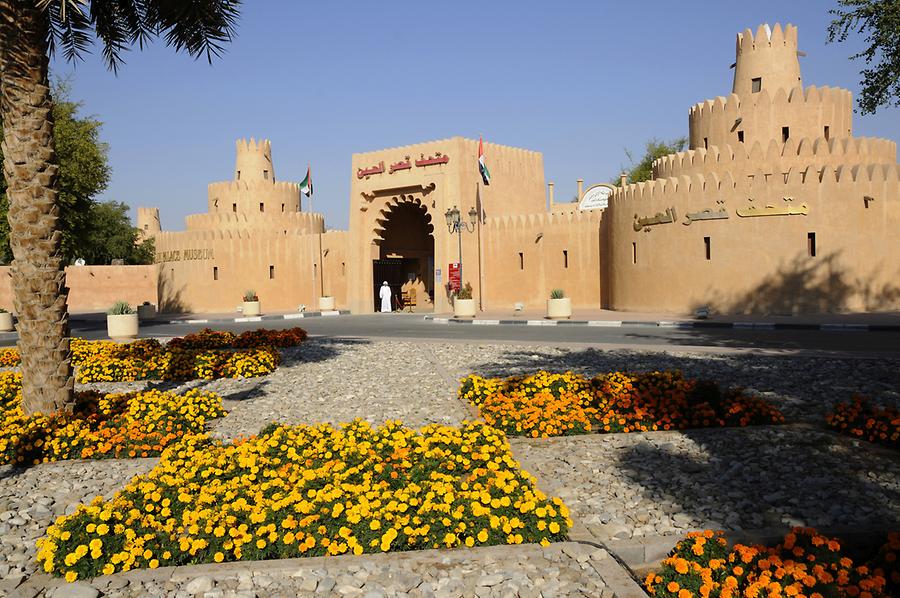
(391,270)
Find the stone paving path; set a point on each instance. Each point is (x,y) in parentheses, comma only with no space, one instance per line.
(621,488)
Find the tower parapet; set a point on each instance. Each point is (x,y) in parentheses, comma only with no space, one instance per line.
(767,60)
(148,222)
(253,161)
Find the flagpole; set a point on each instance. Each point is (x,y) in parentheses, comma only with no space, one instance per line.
(480,209)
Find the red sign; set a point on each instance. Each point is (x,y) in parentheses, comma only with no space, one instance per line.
(454,279)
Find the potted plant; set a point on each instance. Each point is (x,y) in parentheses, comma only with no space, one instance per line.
(251,304)
(463,304)
(146,311)
(121,321)
(6,321)
(326,303)
(559,307)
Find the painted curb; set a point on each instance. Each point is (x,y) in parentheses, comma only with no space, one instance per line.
(298,316)
(685,324)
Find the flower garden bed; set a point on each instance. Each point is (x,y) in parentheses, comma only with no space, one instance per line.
(552,404)
(309,490)
(804,564)
(136,424)
(863,419)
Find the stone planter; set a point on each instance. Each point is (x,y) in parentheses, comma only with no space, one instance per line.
(146,312)
(122,326)
(326,303)
(559,309)
(251,308)
(6,322)
(464,308)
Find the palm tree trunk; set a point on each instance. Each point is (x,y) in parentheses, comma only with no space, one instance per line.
(29,165)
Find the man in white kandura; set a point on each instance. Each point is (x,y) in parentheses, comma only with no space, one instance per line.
(385,295)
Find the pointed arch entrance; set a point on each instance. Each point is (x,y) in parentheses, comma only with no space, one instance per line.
(405,237)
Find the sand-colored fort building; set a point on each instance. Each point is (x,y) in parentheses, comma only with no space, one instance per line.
(775,208)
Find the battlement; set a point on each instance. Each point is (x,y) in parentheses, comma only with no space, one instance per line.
(304,222)
(737,158)
(242,186)
(766,60)
(515,221)
(677,189)
(148,222)
(808,98)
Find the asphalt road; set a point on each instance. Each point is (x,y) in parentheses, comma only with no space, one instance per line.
(413,326)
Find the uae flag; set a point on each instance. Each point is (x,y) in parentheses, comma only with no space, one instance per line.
(306,184)
(482,167)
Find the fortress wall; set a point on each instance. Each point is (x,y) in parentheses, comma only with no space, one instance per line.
(542,239)
(777,158)
(336,266)
(760,264)
(245,197)
(96,288)
(190,261)
(762,115)
(302,222)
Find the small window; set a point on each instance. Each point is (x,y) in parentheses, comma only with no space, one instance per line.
(707,245)
(343,268)
(633,252)
(740,137)
(811,244)
(216,202)
(521,261)
(282,207)
(565,258)
(756,84)
(215,273)
(262,207)
(238,175)
(266,174)
(271,272)
(146,227)
(234,207)
(785,134)
(827,132)
(706,143)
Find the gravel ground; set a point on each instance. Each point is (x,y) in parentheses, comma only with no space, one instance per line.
(623,486)
(529,571)
(31,499)
(619,486)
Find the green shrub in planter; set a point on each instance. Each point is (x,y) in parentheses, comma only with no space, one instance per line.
(120,308)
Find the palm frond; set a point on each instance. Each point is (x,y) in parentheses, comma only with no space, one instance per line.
(199,27)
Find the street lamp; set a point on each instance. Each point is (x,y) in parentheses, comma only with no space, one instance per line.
(456,225)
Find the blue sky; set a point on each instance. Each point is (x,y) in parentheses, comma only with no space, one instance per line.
(579,81)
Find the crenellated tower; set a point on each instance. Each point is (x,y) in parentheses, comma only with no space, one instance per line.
(148,222)
(768,102)
(253,192)
(253,161)
(768,60)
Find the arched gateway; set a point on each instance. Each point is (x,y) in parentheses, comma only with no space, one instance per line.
(405,238)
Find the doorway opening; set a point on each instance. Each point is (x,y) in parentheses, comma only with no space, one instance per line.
(405,257)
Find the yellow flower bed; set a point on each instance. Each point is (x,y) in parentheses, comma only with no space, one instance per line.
(306,491)
(180,364)
(9,357)
(551,404)
(137,424)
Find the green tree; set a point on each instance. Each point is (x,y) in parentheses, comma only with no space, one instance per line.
(30,31)
(83,173)
(111,236)
(879,21)
(642,170)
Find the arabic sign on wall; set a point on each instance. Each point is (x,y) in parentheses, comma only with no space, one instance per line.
(596,197)
(406,164)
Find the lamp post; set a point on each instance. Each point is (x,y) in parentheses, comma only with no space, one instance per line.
(456,225)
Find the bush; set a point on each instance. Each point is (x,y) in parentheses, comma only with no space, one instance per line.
(137,424)
(120,308)
(548,404)
(804,564)
(557,294)
(309,491)
(863,419)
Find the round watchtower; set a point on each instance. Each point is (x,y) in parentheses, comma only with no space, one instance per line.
(254,161)
(767,60)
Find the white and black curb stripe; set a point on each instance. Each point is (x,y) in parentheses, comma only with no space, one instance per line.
(672,324)
(310,314)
